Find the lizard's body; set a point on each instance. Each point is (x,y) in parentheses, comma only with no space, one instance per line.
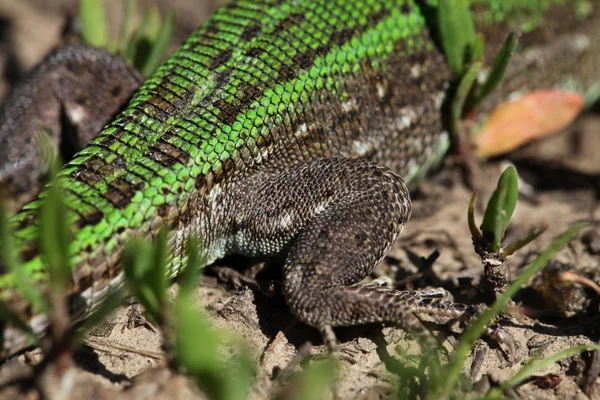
(276,127)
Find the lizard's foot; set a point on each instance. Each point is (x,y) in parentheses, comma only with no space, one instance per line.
(437,302)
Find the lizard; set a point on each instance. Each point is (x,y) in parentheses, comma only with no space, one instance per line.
(284,127)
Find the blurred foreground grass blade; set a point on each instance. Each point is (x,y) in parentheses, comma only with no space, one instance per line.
(145,271)
(241,375)
(150,40)
(316,379)
(43,141)
(55,234)
(476,329)
(140,42)
(478,47)
(196,349)
(157,278)
(55,238)
(189,276)
(94,28)
(23,282)
(197,343)
(159,46)
(128,14)
(7,315)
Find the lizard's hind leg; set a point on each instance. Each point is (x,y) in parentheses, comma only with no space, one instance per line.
(336,218)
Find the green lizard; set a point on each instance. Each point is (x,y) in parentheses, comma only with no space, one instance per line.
(284,126)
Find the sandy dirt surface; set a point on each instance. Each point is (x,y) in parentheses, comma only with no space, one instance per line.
(561,178)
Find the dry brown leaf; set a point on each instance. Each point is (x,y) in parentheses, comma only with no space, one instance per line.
(532,116)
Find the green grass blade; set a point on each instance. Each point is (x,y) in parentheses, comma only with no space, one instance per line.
(7,249)
(55,239)
(466,84)
(499,67)
(94,29)
(128,14)
(138,262)
(159,45)
(43,141)
(143,38)
(157,278)
(241,375)
(55,235)
(458,103)
(23,282)
(478,47)
(457,33)
(189,276)
(522,242)
(197,346)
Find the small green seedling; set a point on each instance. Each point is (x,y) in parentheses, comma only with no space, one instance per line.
(478,327)
(496,218)
(488,241)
